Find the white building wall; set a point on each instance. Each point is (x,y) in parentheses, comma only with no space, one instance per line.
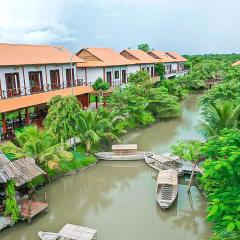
(133,69)
(94,73)
(23,72)
(81,74)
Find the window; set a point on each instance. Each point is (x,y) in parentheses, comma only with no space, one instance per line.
(148,69)
(124,76)
(70,77)
(143,69)
(12,84)
(35,81)
(116,74)
(55,79)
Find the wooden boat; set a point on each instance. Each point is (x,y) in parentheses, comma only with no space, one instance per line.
(70,232)
(167,161)
(167,187)
(123,152)
(163,162)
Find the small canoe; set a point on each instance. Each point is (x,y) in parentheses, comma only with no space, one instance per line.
(110,156)
(48,235)
(167,188)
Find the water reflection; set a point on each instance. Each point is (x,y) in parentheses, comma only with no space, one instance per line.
(119,199)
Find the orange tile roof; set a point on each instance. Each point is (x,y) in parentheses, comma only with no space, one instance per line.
(106,56)
(177,56)
(236,63)
(13,104)
(140,56)
(23,54)
(165,57)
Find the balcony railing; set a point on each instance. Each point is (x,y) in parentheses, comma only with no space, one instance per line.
(17,92)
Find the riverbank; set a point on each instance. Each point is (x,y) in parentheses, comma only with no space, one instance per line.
(99,196)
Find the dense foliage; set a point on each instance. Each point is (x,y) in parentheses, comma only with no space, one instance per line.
(144,47)
(91,128)
(219,115)
(43,146)
(221,182)
(100,84)
(141,103)
(160,69)
(61,120)
(11,207)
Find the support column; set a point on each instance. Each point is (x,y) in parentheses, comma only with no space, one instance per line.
(4,124)
(27,116)
(96,102)
(20,118)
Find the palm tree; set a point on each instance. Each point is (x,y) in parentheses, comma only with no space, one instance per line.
(222,114)
(42,145)
(91,128)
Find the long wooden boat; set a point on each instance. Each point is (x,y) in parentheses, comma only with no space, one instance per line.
(109,156)
(123,152)
(70,231)
(167,188)
(167,161)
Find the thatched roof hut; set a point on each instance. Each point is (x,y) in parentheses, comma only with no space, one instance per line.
(7,170)
(22,170)
(28,170)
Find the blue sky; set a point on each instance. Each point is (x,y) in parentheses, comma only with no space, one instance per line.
(186,26)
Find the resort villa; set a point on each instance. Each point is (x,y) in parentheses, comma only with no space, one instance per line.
(173,62)
(30,75)
(140,61)
(102,62)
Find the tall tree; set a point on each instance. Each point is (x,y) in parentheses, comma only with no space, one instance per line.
(91,128)
(144,47)
(62,117)
(190,151)
(220,115)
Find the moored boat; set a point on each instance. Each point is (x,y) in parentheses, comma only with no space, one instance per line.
(167,188)
(167,161)
(123,152)
(70,232)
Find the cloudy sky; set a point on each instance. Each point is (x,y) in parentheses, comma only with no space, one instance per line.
(186,26)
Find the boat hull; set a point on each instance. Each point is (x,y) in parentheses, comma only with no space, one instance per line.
(167,203)
(109,156)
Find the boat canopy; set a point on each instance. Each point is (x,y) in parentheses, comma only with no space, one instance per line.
(169,176)
(75,232)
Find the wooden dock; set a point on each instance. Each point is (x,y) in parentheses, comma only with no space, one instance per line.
(30,209)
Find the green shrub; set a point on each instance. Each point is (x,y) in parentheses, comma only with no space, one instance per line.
(100,84)
(11,207)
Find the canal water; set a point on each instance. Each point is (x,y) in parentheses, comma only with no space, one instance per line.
(118,198)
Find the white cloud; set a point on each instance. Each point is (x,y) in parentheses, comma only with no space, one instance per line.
(37,21)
